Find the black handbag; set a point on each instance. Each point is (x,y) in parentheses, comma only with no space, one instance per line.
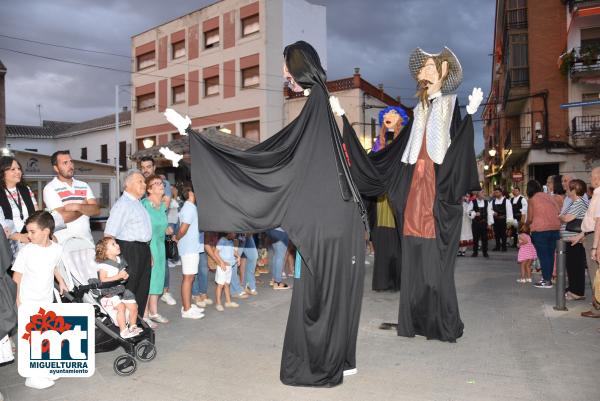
(171,248)
(574,226)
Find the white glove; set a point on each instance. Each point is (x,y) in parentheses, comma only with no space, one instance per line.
(170,155)
(335,106)
(177,120)
(475,100)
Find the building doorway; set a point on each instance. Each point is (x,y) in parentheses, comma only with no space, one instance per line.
(541,172)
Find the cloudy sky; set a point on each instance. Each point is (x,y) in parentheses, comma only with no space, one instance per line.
(376,36)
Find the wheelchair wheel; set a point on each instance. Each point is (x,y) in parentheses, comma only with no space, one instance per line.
(145,351)
(125,365)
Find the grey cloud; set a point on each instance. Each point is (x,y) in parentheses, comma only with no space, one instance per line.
(376,36)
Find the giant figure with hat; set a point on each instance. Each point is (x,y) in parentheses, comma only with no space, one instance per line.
(425,172)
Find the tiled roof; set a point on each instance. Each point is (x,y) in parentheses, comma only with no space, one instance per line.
(182,145)
(97,123)
(59,129)
(49,129)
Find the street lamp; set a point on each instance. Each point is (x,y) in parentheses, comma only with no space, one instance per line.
(486,167)
(492,152)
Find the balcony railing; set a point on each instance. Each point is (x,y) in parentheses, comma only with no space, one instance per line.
(585,127)
(519,138)
(584,61)
(519,76)
(516,18)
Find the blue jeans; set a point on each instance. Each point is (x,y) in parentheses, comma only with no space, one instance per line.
(545,246)
(200,285)
(278,251)
(235,286)
(250,253)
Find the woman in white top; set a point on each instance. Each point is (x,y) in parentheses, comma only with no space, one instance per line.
(17,202)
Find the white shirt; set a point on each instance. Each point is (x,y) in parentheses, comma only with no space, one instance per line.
(514,201)
(57,194)
(14,198)
(481,204)
(36,264)
(508,206)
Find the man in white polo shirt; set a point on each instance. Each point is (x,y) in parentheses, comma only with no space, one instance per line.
(73,199)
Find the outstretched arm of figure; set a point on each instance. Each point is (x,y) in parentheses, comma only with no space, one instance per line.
(180,122)
(365,175)
(336,106)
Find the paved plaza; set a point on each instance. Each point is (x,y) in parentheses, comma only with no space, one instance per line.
(515,347)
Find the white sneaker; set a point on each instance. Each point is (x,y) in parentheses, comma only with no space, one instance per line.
(192,313)
(350,372)
(150,323)
(197,308)
(158,318)
(168,299)
(39,383)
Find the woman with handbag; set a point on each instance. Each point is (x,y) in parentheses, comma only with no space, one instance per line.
(570,226)
(157,211)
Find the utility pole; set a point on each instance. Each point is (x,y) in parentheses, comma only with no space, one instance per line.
(39,107)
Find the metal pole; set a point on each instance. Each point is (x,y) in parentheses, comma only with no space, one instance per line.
(118,189)
(561,261)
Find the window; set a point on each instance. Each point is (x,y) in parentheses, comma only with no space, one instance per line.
(519,71)
(593,110)
(83,154)
(145,60)
(146,102)
(104,153)
(178,49)
(123,154)
(590,38)
(250,25)
(251,130)
(175,136)
(250,77)
(516,14)
(178,94)
(211,86)
(211,38)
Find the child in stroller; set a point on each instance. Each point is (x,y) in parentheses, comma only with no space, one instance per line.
(112,268)
(79,268)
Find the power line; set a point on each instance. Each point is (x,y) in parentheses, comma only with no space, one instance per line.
(178,63)
(65,47)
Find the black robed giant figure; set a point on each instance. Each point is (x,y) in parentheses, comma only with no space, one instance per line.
(297,179)
(425,172)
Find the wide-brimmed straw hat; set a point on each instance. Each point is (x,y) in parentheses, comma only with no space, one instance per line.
(455,74)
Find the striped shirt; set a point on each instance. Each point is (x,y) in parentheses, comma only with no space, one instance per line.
(577,208)
(128,220)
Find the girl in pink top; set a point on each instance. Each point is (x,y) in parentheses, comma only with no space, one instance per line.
(526,254)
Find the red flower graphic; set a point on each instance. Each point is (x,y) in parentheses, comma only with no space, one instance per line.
(44,321)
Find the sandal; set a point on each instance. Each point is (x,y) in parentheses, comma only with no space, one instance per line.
(280,286)
(136,329)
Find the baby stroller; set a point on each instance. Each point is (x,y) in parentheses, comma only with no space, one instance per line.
(78,269)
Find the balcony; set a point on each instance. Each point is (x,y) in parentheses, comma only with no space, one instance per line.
(518,138)
(583,63)
(516,18)
(585,130)
(578,4)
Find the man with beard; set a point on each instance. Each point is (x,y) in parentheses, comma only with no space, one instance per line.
(425,174)
(71,198)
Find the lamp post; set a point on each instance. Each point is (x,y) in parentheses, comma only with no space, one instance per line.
(117,152)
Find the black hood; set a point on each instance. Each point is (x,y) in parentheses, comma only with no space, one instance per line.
(304,65)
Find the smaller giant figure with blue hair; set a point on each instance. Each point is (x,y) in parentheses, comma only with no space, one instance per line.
(384,235)
(391,121)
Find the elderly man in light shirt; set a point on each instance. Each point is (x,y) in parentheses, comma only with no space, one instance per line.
(129,223)
(590,236)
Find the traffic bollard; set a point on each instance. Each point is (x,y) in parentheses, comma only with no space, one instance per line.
(561,262)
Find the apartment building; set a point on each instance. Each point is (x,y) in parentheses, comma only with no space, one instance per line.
(527,127)
(222,66)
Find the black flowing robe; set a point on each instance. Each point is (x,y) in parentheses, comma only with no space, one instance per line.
(428,302)
(295,180)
